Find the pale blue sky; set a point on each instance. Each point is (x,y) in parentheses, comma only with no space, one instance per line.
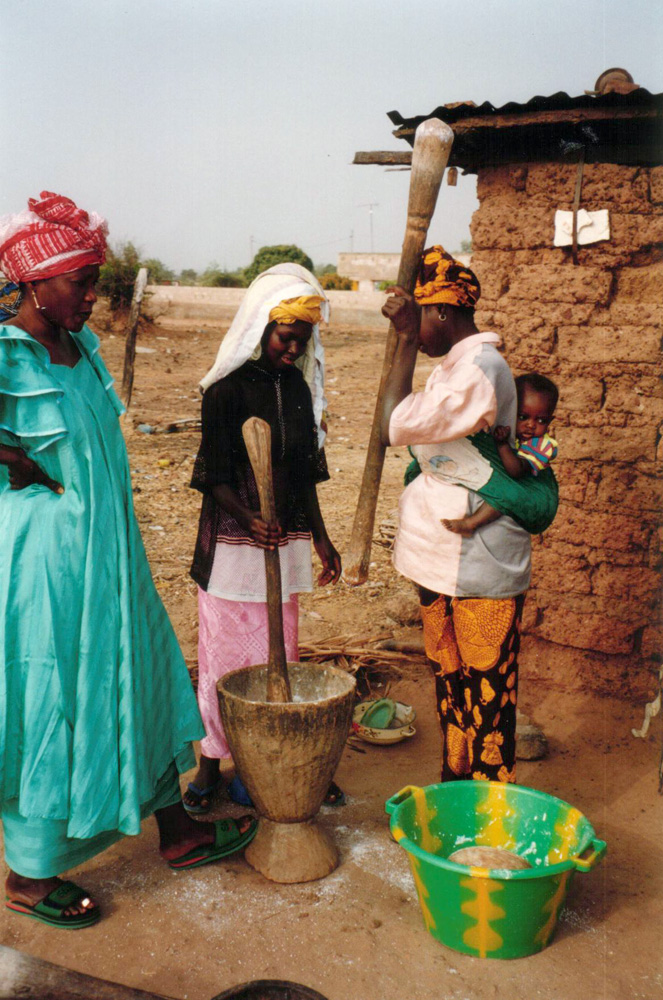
(198,125)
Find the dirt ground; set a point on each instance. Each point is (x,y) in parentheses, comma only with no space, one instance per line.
(357,935)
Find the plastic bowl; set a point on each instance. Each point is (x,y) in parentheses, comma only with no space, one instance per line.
(491,913)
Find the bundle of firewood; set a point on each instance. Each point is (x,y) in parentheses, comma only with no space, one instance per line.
(386,532)
(368,657)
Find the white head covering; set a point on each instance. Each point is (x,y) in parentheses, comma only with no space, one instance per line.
(283,281)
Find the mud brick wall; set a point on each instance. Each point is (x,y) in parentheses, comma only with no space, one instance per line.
(593,616)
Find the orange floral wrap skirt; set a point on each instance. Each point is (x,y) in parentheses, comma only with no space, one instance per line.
(473,644)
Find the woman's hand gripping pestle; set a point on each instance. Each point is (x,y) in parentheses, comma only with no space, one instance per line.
(258,440)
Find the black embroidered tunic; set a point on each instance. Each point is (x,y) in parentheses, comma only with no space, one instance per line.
(283,399)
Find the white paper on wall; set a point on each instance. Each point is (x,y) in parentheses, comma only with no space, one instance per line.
(592,227)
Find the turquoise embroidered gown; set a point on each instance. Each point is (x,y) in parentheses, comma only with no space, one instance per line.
(97,712)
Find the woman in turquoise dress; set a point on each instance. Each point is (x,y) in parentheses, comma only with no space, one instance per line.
(97,713)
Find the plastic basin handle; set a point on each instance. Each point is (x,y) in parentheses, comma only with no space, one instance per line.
(585,864)
(399,797)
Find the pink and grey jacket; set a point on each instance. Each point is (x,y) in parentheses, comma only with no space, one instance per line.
(472,389)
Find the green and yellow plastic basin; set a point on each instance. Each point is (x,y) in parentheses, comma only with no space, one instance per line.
(491,913)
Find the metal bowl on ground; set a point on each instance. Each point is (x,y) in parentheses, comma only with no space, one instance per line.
(270,989)
(400,728)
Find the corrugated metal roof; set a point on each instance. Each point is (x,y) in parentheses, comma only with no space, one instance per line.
(556,102)
(617,128)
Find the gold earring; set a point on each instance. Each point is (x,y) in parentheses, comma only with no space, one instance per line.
(34,298)
(442,316)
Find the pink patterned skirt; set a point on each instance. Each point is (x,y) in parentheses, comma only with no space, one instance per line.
(233,634)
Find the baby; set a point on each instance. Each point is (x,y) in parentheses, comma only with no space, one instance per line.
(537,399)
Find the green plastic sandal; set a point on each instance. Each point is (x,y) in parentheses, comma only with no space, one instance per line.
(50,909)
(227,840)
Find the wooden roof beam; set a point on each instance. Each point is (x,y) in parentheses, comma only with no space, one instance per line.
(388,158)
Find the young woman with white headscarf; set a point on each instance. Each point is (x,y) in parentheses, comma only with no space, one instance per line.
(270,365)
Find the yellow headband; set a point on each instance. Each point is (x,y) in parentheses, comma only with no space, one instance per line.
(306,309)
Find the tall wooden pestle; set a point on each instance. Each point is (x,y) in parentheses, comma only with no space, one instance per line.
(258,440)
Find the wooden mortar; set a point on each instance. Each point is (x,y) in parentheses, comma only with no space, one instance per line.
(286,751)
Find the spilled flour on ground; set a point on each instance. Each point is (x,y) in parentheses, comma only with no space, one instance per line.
(216,893)
(374,851)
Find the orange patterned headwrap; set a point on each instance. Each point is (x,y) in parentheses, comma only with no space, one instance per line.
(306,308)
(443,279)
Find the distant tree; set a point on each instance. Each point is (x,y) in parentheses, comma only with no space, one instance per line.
(325,269)
(269,256)
(215,277)
(466,246)
(212,268)
(188,276)
(158,273)
(118,275)
(334,282)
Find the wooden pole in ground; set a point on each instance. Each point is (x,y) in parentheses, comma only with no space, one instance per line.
(132,330)
(33,979)
(432,146)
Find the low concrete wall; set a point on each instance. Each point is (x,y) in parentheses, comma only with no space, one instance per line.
(217,306)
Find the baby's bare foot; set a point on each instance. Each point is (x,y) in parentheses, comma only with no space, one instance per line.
(461,526)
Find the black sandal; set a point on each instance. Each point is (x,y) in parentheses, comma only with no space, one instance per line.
(335,796)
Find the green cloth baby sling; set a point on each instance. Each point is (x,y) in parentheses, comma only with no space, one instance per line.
(531,501)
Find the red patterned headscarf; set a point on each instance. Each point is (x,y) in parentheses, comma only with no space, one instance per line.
(51,237)
(443,279)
